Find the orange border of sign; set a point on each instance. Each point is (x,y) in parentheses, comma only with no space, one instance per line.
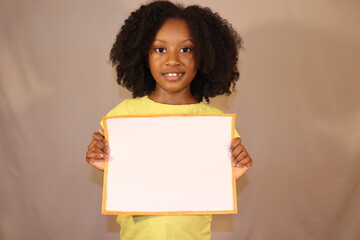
(104,196)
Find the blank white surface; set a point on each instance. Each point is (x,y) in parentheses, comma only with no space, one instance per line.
(176,163)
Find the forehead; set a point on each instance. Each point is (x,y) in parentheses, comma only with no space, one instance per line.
(174,29)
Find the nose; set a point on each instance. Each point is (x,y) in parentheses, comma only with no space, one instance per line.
(172,59)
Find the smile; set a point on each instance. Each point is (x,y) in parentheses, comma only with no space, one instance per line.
(173,74)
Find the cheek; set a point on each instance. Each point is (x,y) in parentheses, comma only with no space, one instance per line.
(192,64)
(153,62)
(150,60)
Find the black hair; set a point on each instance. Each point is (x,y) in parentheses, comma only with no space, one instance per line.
(217,46)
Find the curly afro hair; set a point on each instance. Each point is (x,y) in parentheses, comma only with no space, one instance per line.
(217,47)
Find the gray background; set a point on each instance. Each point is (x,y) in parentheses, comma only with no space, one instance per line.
(297,106)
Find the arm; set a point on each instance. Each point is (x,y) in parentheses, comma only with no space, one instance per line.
(240,158)
(98,150)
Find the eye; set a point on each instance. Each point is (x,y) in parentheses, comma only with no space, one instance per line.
(185,50)
(160,50)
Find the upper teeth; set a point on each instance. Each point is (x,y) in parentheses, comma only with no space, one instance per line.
(172,74)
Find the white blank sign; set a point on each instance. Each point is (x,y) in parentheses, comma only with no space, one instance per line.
(169,165)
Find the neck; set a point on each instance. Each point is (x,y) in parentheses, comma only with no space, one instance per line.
(173,98)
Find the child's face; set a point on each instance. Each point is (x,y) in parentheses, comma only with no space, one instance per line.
(172,58)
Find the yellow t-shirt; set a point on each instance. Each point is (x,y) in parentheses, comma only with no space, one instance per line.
(174,227)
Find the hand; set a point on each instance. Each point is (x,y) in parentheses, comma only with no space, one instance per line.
(241,159)
(98,150)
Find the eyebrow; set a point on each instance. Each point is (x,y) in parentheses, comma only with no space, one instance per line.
(163,41)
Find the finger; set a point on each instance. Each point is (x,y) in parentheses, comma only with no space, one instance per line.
(99,147)
(95,155)
(97,141)
(237,151)
(250,163)
(242,155)
(101,131)
(234,143)
(92,161)
(106,148)
(97,136)
(244,162)
(99,144)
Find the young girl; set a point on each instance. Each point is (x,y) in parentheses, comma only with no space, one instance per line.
(172,58)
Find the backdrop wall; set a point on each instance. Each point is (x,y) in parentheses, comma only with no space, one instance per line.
(297,102)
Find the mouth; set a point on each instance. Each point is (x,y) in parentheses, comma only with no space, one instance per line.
(173,76)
